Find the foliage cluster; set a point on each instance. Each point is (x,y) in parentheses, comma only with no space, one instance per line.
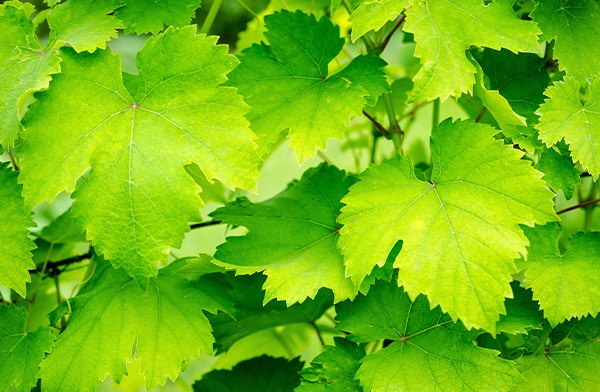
(355,195)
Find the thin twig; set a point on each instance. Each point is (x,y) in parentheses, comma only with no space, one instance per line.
(580,205)
(205,224)
(388,37)
(52,267)
(480,115)
(377,124)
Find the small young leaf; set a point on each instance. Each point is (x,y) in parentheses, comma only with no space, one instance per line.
(333,370)
(288,87)
(429,352)
(292,236)
(445,68)
(21,351)
(574,26)
(460,231)
(15,245)
(163,325)
(568,284)
(572,112)
(559,171)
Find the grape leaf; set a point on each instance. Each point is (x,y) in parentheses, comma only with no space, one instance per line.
(460,231)
(373,14)
(150,16)
(444,30)
(570,364)
(24,68)
(520,78)
(556,279)
(429,352)
(572,112)
(333,370)
(83,24)
(163,325)
(288,87)
(559,171)
(574,26)
(253,315)
(292,236)
(137,199)
(261,374)
(15,245)
(21,351)
(494,102)
(522,312)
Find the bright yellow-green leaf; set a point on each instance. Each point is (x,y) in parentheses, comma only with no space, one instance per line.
(114,319)
(24,68)
(21,351)
(151,16)
(373,14)
(15,245)
(556,277)
(129,149)
(445,29)
(460,232)
(572,112)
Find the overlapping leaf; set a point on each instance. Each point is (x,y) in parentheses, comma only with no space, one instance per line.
(15,244)
(445,29)
(21,351)
(572,112)
(574,25)
(571,362)
(459,232)
(292,237)
(333,370)
(261,374)
(24,67)
(373,14)
(85,25)
(559,171)
(288,86)
(150,16)
(113,317)
(429,352)
(556,278)
(137,199)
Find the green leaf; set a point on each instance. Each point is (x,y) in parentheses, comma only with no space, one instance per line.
(21,351)
(522,312)
(373,14)
(556,279)
(333,370)
(445,69)
(252,314)
(150,16)
(137,199)
(292,236)
(574,26)
(494,102)
(429,352)
(85,25)
(262,374)
(288,86)
(573,364)
(15,245)
(460,231)
(559,171)
(114,319)
(24,68)
(572,112)
(520,78)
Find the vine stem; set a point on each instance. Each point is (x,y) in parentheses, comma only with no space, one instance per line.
(13,160)
(205,224)
(436,113)
(210,17)
(388,37)
(580,205)
(395,130)
(318,332)
(377,125)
